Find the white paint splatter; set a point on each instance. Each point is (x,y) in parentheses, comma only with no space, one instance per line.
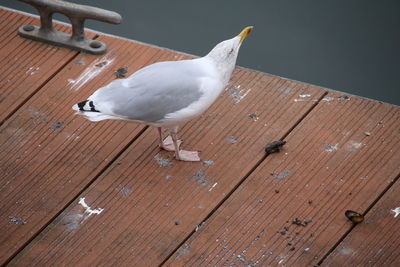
(73,221)
(396,211)
(184,250)
(304,100)
(345,251)
(304,95)
(89,210)
(212,187)
(286,90)
(162,162)
(32,70)
(72,136)
(282,260)
(90,72)
(330,148)
(356,145)
(353,146)
(328,99)
(238,94)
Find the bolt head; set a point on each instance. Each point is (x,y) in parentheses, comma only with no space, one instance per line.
(28,28)
(96,44)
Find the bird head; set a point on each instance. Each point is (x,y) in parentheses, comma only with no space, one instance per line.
(224,54)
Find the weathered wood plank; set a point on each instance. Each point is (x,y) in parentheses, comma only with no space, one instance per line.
(152,202)
(48,155)
(375,242)
(25,65)
(341,156)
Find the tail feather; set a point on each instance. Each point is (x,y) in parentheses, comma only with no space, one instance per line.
(88,109)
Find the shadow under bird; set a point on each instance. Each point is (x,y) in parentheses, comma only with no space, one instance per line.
(166,94)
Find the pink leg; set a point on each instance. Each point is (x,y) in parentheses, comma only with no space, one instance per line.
(185,155)
(167,143)
(182,154)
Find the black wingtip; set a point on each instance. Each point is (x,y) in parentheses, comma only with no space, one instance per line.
(92,108)
(82,104)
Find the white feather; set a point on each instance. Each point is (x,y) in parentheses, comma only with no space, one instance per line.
(166,93)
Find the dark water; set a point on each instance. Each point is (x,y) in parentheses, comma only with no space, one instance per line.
(346,45)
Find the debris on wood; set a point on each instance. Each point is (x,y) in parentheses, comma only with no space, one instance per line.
(296,221)
(121,72)
(282,231)
(253,116)
(16,220)
(343,97)
(101,64)
(56,125)
(274,147)
(207,163)
(354,216)
(231,140)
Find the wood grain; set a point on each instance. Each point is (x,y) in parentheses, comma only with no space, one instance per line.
(48,154)
(375,242)
(342,156)
(74,192)
(26,65)
(152,202)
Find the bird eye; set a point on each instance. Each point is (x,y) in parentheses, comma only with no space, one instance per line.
(230,52)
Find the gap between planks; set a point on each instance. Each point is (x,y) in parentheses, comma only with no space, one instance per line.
(343,237)
(228,195)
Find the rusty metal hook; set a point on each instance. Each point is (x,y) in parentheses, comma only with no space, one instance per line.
(77,14)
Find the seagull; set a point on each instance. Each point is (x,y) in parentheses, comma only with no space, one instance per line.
(166,94)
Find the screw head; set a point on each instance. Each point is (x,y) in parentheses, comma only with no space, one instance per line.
(28,28)
(96,44)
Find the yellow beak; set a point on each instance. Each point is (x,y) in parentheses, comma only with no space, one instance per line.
(246,31)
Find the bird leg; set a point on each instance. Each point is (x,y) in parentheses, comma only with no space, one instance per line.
(167,143)
(182,154)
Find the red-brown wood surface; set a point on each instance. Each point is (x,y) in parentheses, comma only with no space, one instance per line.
(25,65)
(74,192)
(375,242)
(342,156)
(149,209)
(48,154)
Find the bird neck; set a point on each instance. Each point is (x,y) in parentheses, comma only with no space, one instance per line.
(224,67)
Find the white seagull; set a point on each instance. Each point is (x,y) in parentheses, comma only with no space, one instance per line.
(166,94)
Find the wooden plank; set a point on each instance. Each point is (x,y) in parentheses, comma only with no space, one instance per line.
(26,65)
(152,202)
(375,242)
(341,156)
(48,155)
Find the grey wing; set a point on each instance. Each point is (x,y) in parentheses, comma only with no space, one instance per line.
(152,92)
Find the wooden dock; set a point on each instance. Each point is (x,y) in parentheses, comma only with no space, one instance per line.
(76,193)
